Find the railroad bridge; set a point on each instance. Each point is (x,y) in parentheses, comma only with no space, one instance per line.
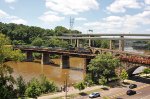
(133,60)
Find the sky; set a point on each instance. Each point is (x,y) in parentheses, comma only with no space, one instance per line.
(101,16)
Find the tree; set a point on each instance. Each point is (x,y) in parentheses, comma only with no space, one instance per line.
(79,86)
(59,30)
(37,42)
(102,80)
(146,71)
(54,42)
(103,65)
(102,43)
(124,75)
(7,90)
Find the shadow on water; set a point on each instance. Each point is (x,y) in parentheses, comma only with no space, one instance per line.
(75,68)
(140,79)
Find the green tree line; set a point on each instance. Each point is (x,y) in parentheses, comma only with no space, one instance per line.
(23,34)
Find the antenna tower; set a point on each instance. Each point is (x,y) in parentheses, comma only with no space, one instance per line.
(71,23)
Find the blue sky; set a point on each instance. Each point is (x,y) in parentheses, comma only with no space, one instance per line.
(101,16)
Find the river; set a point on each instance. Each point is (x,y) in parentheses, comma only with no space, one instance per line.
(53,72)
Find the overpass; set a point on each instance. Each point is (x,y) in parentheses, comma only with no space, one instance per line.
(106,36)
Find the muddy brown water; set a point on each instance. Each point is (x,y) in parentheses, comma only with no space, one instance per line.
(52,71)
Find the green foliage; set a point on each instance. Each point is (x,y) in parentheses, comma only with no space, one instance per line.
(103,65)
(37,42)
(146,71)
(124,75)
(102,80)
(102,43)
(47,86)
(148,44)
(88,80)
(6,52)
(54,42)
(33,89)
(21,86)
(79,86)
(59,30)
(105,44)
(37,87)
(22,34)
(7,81)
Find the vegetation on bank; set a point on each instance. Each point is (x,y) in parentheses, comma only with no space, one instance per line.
(146,71)
(102,70)
(8,90)
(141,45)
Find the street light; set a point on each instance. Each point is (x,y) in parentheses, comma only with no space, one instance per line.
(65,85)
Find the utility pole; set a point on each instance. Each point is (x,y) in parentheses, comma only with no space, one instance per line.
(71,26)
(66,84)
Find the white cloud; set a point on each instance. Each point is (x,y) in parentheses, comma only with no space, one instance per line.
(127,23)
(68,7)
(121,5)
(80,19)
(147,1)
(49,18)
(51,12)
(9,18)
(10,1)
(3,14)
(18,21)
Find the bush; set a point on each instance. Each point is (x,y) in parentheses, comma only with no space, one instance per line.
(88,80)
(33,89)
(47,86)
(21,86)
(79,86)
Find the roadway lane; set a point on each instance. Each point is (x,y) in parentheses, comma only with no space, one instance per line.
(143,93)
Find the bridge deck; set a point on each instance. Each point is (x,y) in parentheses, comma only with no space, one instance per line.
(123,55)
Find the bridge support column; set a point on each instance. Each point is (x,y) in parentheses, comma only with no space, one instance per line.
(29,56)
(110,44)
(121,44)
(65,63)
(45,58)
(89,42)
(77,42)
(86,62)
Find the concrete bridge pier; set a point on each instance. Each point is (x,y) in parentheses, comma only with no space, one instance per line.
(45,58)
(29,56)
(65,63)
(77,43)
(86,62)
(89,42)
(121,44)
(110,44)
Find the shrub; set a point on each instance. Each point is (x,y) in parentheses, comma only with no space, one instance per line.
(33,89)
(79,86)
(21,86)
(47,86)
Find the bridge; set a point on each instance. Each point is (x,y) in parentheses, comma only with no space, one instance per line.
(89,54)
(119,36)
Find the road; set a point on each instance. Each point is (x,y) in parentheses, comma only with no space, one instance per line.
(143,92)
